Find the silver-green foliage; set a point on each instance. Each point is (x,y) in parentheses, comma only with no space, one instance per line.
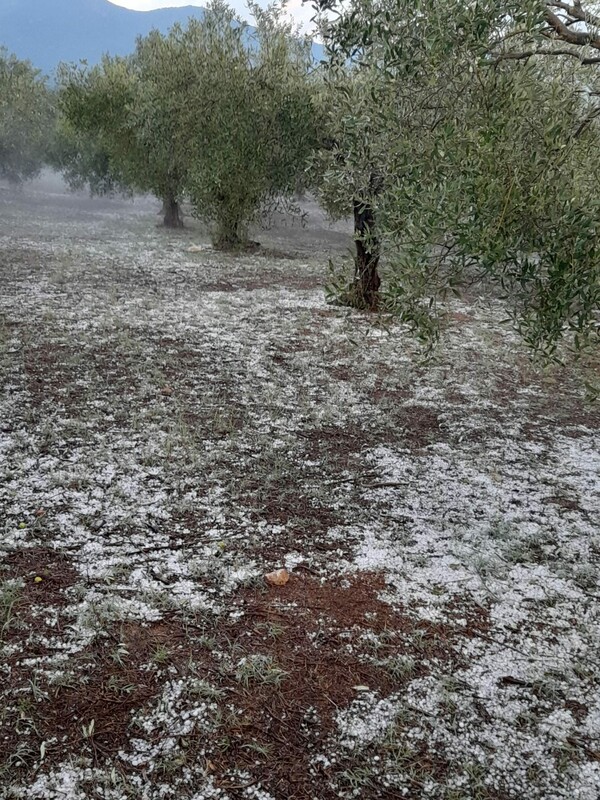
(107,115)
(250,115)
(485,165)
(25,114)
(206,111)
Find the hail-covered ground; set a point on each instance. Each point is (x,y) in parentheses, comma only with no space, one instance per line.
(175,424)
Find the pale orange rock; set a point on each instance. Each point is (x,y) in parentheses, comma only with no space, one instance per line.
(278,578)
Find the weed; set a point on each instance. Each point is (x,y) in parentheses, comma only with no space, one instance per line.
(357,779)
(10,592)
(423,641)
(271,629)
(119,686)
(400,668)
(203,689)
(259,669)
(161,654)
(264,750)
(207,642)
(120,655)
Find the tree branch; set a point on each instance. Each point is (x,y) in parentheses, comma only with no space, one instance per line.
(545,52)
(563,32)
(560,17)
(584,123)
(577,12)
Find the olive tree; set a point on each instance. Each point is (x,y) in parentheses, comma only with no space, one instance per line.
(211,111)
(118,129)
(484,167)
(347,171)
(251,117)
(25,118)
(82,160)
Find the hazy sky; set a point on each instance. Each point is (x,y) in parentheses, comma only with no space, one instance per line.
(301,13)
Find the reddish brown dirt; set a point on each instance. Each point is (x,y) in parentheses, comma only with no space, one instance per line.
(314,631)
(316,641)
(54,569)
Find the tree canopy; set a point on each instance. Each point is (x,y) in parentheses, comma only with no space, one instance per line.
(103,118)
(25,118)
(208,111)
(251,117)
(460,134)
(473,165)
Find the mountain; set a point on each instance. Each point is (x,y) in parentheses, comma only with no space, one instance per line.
(49,31)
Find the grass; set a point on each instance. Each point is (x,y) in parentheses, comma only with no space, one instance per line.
(258,668)
(9,596)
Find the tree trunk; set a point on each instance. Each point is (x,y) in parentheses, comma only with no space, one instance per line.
(365,288)
(172,213)
(228,238)
(231,234)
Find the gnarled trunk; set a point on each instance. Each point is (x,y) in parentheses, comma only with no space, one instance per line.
(228,238)
(365,288)
(172,213)
(231,234)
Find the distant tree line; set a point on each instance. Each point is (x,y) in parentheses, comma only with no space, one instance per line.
(213,112)
(460,135)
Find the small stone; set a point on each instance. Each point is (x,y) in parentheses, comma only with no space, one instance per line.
(278,578)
